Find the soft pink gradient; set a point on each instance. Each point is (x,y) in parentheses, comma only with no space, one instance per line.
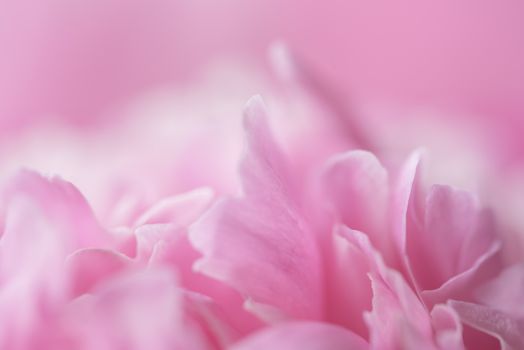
(371,199)
(78,59)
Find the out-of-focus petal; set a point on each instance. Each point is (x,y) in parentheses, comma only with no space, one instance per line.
(182,209)
(88,267)
(62,204)
(45,220)
(168,246)
(505,292)
(303,336)
(136,311)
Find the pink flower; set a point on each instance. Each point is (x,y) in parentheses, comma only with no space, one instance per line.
(288,264)
(327,246)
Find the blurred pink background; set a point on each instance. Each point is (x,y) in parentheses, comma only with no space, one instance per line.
(78,59)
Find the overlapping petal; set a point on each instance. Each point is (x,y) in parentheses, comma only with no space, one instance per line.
(259,243)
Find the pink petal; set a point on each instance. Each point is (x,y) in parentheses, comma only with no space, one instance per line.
(463,284)
(447,326)
(405,212)
(456,233)
(45,220)
(348,292)
(342,120)
(259,244)
(89,267)
(182,209)
(501,298)
(150,238)
(135,311)
(62,204)
(356,185)
(406,186)
(505,292)
(303,336)
(167,246)
(505,327)
(398,319)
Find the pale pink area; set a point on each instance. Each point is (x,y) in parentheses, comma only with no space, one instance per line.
(171,142)
(302,335)
(133,311)
(76,59)
(79,62)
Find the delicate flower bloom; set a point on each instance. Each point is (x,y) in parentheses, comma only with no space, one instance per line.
(272,236)
(327,237)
